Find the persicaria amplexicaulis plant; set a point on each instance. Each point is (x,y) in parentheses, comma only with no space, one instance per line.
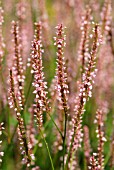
(52,80)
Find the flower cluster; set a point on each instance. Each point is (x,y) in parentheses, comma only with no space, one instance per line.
(18,68)
(21,125)
(93,163)
(37,37)
(84,44)
(84,94)
(41,103)
(61,76)
(101,138)
(90,71)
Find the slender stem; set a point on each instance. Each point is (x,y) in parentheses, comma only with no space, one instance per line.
(45,125)
(64,138)
(47,150)
(39,137)
(55,124)
(66,166)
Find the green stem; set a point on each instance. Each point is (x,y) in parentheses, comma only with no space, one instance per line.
(55,124)
(68,157)
(47,150)
(64,138)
